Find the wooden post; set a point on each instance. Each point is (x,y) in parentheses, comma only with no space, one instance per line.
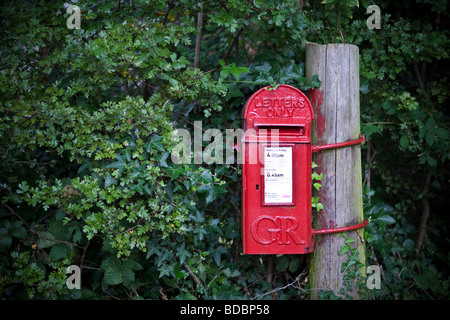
(336,109)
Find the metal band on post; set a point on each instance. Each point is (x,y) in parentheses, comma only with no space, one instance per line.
(361,140)
(342,229)
(363,224)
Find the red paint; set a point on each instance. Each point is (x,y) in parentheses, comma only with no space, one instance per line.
(315,95)
(276,195)
(361,140)
(342,229)
(282,227)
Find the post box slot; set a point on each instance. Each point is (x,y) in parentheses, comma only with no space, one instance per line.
(283,130)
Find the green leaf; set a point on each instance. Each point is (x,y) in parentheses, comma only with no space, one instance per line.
(344,249)
(206,175)
(349,240)
(442,133)
(113,273)
(75,229)
(213,191)
(294,264)
(370,129)
(283,263)
(110,180)
(117,272)
(23,187)
(389,107)
(404,141)
(59,251)
(154,143)
(174,172)
(315,82)
(430,123)
(5,241)
(364,88)
(119,164)
(431,161)
(17,230)
(201,271)
(265,68)
(387,219)
(236,71)
(183,254)
(429,138)
(231,274)
(46,241)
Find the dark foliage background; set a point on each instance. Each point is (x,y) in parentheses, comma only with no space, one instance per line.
(86,117)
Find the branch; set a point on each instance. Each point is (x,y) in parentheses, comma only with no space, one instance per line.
(198,40)
(193,275)
(232,44)
(419,76)
(425,212)
(281,288)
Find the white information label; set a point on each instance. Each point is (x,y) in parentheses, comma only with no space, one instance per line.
(278,175)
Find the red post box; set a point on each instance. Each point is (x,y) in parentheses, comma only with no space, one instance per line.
(277,172)
(276,186)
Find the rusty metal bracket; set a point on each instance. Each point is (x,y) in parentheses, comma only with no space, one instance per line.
(361,140)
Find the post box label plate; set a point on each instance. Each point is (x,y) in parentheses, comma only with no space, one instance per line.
(278,175)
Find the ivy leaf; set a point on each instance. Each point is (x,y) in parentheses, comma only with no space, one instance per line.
(387,219)
(165,270)
(110,180)
(231,274)
(154,143)
(213,191)
(119,164)
(343,249)
(206,175)
(183,254)
(174,172)
(315,82)
(265,68)
(201,271)
(364,88)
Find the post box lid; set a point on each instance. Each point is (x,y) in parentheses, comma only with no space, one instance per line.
(284,106)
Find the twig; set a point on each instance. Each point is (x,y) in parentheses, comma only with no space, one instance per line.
(280,288)
(198,40)
(232,44)
(193,275)
(425,212)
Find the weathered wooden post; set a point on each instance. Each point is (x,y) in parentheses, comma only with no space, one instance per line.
(337,119)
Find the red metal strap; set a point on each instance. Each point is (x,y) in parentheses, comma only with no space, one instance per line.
(341,229)
(362,140)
